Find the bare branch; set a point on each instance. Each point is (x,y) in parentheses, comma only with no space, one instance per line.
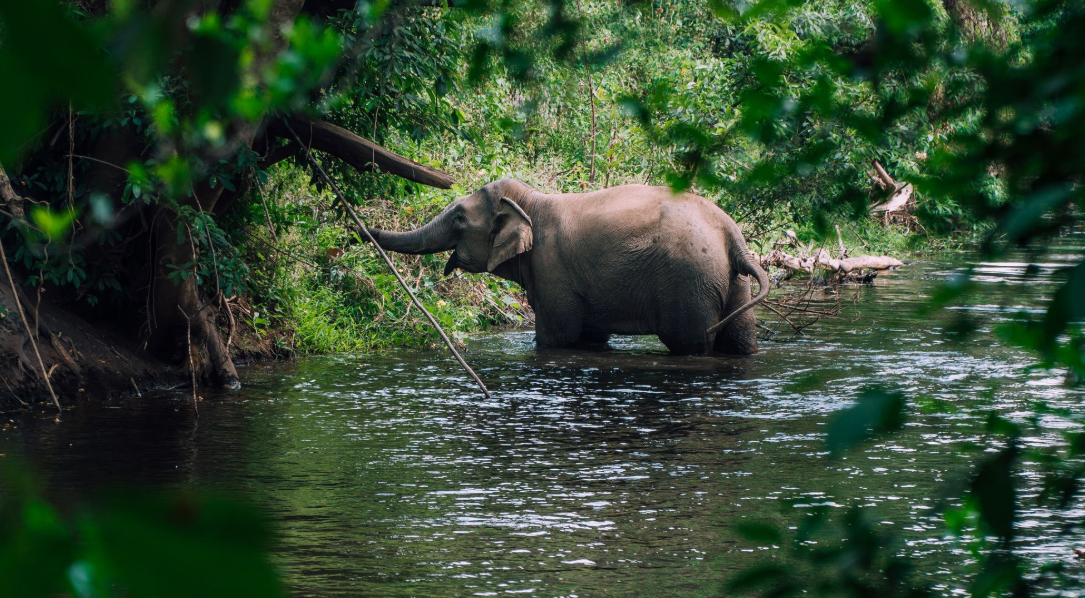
(360,153)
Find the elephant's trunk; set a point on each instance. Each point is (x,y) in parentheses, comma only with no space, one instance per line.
(435,236)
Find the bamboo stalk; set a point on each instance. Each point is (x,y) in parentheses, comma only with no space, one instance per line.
(387,260)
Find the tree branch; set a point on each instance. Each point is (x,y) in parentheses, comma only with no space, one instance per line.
(362,154)
(9,199)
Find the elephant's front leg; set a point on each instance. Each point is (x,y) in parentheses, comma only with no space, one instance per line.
(559,322)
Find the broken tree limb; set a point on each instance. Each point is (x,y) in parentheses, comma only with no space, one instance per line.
(900,193)
(362,228)
(361,154)
(886,181)
(898,202)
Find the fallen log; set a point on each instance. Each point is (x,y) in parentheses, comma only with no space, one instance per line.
(842,267)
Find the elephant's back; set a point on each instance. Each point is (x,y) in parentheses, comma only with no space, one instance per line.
(644,252)
(632,211)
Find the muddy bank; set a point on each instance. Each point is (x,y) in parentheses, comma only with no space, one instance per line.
(85,359)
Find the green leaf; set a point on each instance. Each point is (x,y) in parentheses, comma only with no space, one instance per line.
(182,546)
(54,225)
(46,58)
(995,494)
(875,412)
(759,532)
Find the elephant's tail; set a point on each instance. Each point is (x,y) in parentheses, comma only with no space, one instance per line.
(746,264)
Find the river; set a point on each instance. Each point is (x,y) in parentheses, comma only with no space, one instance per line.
(620,472)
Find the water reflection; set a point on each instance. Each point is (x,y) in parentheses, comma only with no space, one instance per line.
(615,472)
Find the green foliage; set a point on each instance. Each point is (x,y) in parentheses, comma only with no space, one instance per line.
(134,544)
(54,60)
(877,412)
(773,108)
(829,555)
(309,302)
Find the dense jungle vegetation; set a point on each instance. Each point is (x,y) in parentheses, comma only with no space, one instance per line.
(565,97)
(157,199)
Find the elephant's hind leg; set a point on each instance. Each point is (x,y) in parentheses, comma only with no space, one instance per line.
(740,336)
(684,328)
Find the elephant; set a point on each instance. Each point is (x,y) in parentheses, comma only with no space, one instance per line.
(626,260)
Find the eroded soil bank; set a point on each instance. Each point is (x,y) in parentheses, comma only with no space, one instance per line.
(85,359)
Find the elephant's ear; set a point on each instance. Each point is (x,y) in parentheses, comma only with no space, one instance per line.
(511,235)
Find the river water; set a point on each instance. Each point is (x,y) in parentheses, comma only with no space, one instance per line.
(619,473)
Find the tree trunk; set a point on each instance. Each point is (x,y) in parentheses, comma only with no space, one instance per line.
(179,310)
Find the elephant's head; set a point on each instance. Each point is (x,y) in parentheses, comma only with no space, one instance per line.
(483,229)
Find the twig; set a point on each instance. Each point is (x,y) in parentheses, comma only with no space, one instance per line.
(37,290)
(71,149)
(270,226)
(26,325)
(387,260)
(795,307)
(138,394)
(191,360)
(606,152)
(798,329)
(856,233)
(11,391)
(230,317)
(121,168)
(591,97)
(767,329)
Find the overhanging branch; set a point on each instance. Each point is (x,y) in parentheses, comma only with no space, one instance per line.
(362,154)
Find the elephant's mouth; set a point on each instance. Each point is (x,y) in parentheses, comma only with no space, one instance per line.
(452,264)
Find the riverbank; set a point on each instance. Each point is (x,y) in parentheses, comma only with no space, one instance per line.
(310,289)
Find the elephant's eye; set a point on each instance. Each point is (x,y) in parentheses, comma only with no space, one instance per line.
(459,220)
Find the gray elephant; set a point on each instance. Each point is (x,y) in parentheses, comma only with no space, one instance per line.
(625,260)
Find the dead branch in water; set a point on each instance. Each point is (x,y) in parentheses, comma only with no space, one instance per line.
(801,310)
(861,267)
(807,306)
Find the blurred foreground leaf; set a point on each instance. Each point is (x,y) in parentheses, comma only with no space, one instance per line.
(135,545)
(875,412)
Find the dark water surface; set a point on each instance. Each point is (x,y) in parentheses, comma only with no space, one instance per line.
(609,473)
